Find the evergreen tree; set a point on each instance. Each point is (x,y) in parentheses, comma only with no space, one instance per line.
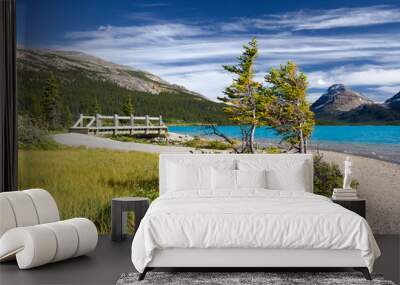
(36,110)
(67,117)
(97,108)
(243,94)
(290,113)
(50,102)
(127,108)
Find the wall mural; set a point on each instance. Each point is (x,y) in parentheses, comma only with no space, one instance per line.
(102,91)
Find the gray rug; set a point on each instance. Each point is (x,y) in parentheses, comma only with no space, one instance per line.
(243,278)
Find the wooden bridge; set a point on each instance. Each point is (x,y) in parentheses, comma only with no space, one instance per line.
(119,125)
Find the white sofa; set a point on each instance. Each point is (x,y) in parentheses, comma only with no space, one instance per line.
(31,231)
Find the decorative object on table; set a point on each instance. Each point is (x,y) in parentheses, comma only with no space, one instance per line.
(119,218)
(357,206)
(31,231)
(344,194)
(347,174)
(248,278)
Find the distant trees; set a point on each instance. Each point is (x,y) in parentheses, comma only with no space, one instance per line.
(67,117)
(127,108)
(50,102)
(96,107)
(279,103)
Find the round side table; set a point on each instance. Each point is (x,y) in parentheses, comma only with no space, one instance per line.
(119,208)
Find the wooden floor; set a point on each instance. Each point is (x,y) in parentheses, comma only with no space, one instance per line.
(110,260)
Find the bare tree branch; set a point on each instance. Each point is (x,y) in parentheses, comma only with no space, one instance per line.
(215,131)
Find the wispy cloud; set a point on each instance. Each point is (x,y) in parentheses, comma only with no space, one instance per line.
(320,19)
(150,4)
(192,54)
(360,76)
(390,90)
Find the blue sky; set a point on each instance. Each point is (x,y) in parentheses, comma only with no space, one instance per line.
(356,43)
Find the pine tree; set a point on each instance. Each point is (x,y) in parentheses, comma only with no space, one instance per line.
(67,117)
(50,102)
(290,113)
(96,108)
(243,94)
(36,110)
(127,108)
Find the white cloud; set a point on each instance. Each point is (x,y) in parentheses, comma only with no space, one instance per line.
(325,19)
(313,96)
(378,83)
(211,83)
(139,34)
(360,76)
(388,89)
(192,54)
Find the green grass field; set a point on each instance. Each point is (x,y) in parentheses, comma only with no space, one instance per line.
(83,182)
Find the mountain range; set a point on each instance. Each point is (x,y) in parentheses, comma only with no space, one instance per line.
(341,104)
(88,83)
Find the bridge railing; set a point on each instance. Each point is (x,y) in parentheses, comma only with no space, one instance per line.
(116,124)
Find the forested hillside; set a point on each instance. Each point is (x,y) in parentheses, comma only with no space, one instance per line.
(80,89)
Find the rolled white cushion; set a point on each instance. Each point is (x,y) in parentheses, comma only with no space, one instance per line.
(23,208)
(67,240)
(37,245)
(87,234)
(45,205)
(7,218)
(33,246)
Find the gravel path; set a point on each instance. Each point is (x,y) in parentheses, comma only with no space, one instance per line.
(73,139)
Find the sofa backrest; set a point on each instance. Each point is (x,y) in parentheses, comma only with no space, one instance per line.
(287,166)
(26,208)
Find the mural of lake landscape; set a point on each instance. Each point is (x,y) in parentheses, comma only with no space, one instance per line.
(381,142)
(102,94)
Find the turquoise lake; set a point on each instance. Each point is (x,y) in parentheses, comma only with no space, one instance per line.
(382,142)
(339,134)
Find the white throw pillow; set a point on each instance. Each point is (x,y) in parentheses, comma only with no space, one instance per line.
(224,179)
(293,181)
(282,174)
(184,178)
(251,178)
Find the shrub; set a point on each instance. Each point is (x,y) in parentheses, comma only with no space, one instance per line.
(32,136)
(198,142)
(273,150)
(327,176)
